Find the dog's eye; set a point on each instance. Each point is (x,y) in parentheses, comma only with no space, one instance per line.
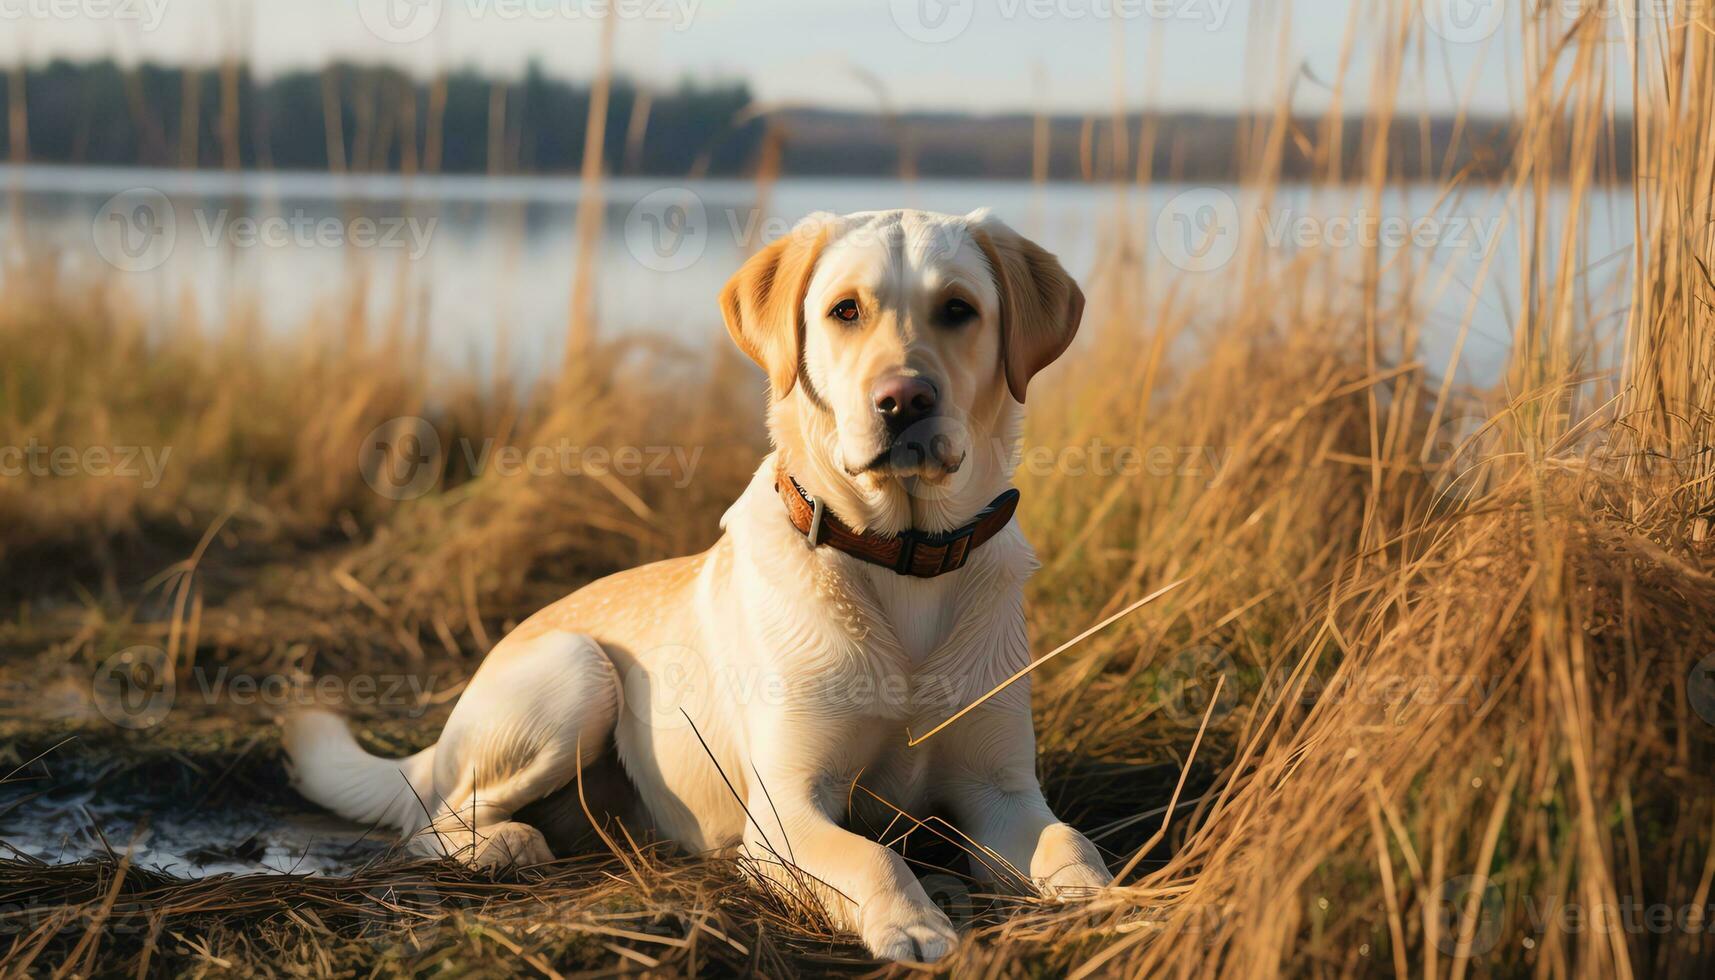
(846,311)
(955,312)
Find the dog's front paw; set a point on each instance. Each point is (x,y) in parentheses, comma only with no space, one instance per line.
(1066,865)
(899,927)
(510,845)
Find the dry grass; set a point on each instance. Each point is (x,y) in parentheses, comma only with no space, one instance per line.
(1455,725)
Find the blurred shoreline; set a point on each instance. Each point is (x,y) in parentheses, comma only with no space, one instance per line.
(348,118)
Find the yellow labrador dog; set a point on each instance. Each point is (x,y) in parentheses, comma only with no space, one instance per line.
(869,582)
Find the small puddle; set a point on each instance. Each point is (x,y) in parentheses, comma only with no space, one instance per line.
(69,817)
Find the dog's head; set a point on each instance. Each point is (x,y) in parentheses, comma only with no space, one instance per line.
(899,346)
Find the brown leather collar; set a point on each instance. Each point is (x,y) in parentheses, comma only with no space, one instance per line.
(916,553)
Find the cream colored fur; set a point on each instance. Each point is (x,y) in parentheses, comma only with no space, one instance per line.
(800,670)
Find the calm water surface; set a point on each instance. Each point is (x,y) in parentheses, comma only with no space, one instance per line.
(484,264)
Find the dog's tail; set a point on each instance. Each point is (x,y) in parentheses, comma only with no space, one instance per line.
(329,767)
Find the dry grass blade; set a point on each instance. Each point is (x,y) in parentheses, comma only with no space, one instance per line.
(1026,670)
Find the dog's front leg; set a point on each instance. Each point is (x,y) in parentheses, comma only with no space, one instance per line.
(985,765)
(865,888)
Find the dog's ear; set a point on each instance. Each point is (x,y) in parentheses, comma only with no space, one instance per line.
(1040,305)
(763,303)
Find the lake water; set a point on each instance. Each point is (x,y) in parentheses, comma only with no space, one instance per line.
(485,264)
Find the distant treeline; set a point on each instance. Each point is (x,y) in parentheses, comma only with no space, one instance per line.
(366,118)
(1181,146)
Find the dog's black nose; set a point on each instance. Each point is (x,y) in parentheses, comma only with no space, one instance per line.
(902,400)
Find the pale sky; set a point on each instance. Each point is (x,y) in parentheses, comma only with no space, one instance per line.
(975,55)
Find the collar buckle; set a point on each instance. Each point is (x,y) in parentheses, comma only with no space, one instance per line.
(813,536)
